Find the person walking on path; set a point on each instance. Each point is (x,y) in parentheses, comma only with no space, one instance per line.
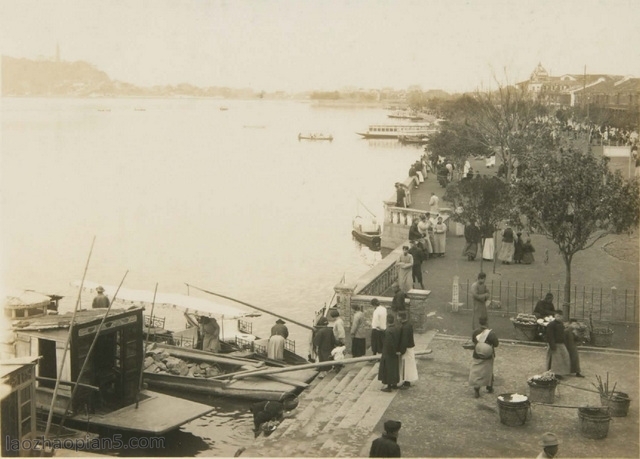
(275,346)
(101,300)
(440,236)
(408,366)
(558,359)
(507,248)
(549,443)
(517,249)
(387,444)
(423,227)
(570,335)
(480,294)
(337,324)
(389,370)
(433,204)
(488,246)
(472,238)
(405,267)
(378,326)
(323,342)
(400,195)
(527,252)
(358,333)
(417,254)
(481,372)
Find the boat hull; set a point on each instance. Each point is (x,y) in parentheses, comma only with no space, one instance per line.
(253,389)
(373,241)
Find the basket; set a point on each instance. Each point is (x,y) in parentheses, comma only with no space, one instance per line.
(618,403)
(601,337)
(594,422)
(542,391)
(526,332)
(513,413)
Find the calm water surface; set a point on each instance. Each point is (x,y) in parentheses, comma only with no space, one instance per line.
(179,191)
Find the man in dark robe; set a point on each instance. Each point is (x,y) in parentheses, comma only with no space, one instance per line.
(414,232)
(389,371)
(472,239)
(271,411)
(418,255)
(324,340)
(399,297)
(387,444)
(400,195)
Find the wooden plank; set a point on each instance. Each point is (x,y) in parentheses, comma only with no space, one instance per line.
(209,357)
(329,363)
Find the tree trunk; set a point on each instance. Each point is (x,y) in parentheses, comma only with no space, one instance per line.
(481,252)
(566,304)
(495,250)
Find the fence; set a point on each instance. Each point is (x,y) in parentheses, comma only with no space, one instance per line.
(606,304)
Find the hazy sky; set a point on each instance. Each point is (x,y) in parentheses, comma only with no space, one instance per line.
(296,45)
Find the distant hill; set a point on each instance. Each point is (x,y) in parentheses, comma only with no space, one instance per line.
(25,77)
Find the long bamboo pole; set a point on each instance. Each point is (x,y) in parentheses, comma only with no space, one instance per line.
(146,342)
(252,306)
(66,345)
(93,343)
(306,366)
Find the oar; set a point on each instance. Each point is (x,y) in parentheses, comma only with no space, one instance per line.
(252,306)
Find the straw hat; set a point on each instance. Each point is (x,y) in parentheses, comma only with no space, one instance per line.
(100,289)
(549,439)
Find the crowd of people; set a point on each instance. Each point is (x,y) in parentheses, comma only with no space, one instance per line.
(513,248)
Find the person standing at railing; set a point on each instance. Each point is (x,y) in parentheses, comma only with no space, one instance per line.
(378,326)
(405,266)
(358,333)
(400,195)
(440,237)
(101,300)
(433,204)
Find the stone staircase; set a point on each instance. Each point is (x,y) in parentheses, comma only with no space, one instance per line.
(335,417)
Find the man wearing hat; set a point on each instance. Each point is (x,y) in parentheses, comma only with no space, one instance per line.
(323,341)
(549,443)
(275,346)
(387,444)
(101,300)
(378,326)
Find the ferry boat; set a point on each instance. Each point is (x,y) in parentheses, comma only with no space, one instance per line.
(394,131)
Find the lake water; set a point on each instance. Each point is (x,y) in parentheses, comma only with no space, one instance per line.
(179,191)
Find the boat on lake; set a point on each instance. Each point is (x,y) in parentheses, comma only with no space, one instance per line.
(367,229)
(174,363)
(394,131)
(315,136)
(104,359)
(400,114)
(413,138)
(193,371)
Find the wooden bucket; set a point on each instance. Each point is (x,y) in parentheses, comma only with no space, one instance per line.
(513,413)
(541,392)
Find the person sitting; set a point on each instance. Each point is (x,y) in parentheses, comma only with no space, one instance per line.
(210,331)
(544,308)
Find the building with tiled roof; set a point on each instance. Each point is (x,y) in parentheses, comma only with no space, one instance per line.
(611,91)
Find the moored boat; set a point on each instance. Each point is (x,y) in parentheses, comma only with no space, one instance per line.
(400,114)
(104,361)
(367,229)
(393,131)
(413,138)
(315,136)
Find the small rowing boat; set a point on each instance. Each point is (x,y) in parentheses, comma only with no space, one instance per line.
(367,229)
(315,136)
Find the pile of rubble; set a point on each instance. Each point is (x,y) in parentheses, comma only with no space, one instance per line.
(159,361)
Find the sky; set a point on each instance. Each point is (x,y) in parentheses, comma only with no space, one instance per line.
(287,45)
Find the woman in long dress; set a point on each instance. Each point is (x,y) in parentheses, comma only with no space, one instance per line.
(405,267)
(440,238)
(481,371)
(507,248)
(488,244)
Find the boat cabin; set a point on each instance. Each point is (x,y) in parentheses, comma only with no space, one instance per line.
(18,411)
(25,304)
(112,373)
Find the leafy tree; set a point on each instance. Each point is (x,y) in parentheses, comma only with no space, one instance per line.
(485,200)
(457,144)
(575,200)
